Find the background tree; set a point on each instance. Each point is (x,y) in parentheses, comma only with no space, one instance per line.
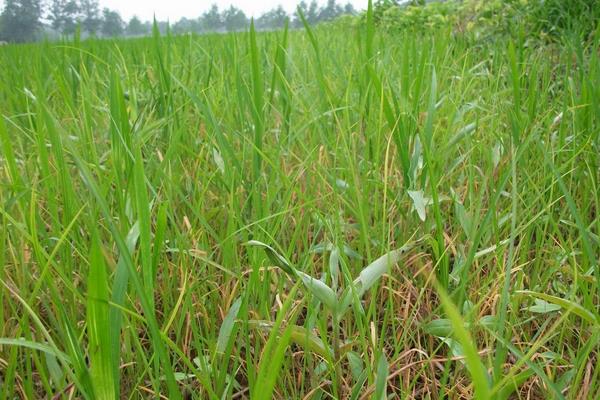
(90,16)
(64,15)
(71,17)
(312,15)
(234,19)
(349,9)
(136,27)
(211,19)
(112,24)
(185,25)
(55,14)
(331,11)
(272,19)
(20,20)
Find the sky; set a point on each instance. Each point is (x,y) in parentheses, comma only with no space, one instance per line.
(173,10)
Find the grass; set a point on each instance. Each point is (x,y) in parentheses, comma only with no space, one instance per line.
(135,175)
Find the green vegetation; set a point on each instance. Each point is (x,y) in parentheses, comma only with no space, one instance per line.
(29,20)
(343,211)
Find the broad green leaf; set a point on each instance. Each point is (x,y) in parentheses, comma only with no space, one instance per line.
(227,326)
(543,307)
(375,270)
(54,368)
(218,159)
(274,256)
(381,378)
(356,364)
(443,327)
(320,290)
(455,348)
(367,278)
(569,305)
(300,335)
(419,203)
(439,327)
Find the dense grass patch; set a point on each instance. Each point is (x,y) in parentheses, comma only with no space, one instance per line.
(135,172)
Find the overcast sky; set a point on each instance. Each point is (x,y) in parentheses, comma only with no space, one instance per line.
(175,9)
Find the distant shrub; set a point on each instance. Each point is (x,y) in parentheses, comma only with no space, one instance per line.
(543,18)
(420,17)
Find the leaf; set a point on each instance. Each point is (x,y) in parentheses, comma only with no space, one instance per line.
(227,326)
(179,376)
(419,202)
(356,364)
(514,384)
(300,335)
(342,184)
(381,379)
(464,131)
(543,307)
(303,337)
(463,217)
(348,251)
(218,160)
(144,220)
(156,341)
(473,362)
(497,154)
(376,269)
(368,277)
(320,290)
(455,348)
(488,321)
(54,368)
(273,353)
(568,305)
(98,325)
(442,327)
(21,342)
(334,267)
(439,328)
(274,256)
(531,364)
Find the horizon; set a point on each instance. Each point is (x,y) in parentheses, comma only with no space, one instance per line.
(174,10)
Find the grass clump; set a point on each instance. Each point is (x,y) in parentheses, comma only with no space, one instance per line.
(134,174)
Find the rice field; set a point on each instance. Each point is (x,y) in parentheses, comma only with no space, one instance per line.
(326,213)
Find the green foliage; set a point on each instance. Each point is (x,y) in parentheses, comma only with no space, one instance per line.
(112,24)
(135,27)
(132,173)
(234,19)
(273,19)
(63,15)
(490,17)
(20,20)
(90,16)
(554,17)
(415,17)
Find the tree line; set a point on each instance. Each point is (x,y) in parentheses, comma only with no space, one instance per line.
(29,20)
